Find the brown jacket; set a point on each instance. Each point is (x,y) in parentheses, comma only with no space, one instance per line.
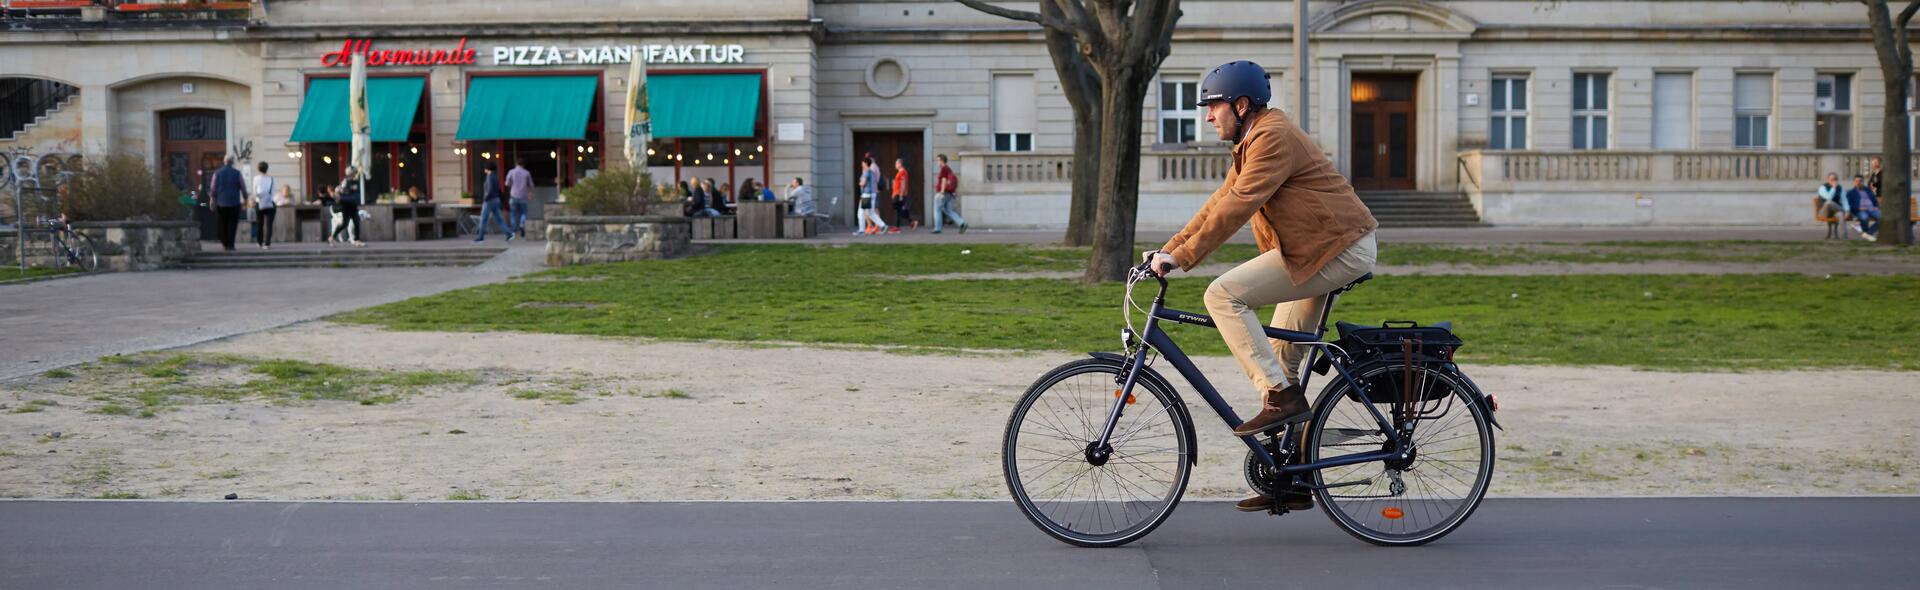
(1305,207)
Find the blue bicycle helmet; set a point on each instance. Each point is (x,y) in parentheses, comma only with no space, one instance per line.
(1233,80)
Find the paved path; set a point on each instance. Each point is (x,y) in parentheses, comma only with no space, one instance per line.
(1516,543)
(59,322)
(1452,235)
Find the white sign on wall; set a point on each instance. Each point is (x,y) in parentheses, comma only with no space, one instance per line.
(553,55)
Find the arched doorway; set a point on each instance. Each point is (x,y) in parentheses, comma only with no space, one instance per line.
(193,143)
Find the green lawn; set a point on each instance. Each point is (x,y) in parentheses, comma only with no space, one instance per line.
(863,294)
(10,273)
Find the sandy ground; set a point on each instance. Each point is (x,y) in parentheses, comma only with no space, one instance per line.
(780,422)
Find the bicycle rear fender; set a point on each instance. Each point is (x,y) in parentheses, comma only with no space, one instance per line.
(1180,406)
(1486,402)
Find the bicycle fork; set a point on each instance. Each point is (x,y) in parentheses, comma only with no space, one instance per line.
(1101,448)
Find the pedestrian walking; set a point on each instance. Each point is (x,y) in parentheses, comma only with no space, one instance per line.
(945,186)
(490,201)
(347,197)
(264,208)
(870,221)
(520,189)
(902,208)
(229,193)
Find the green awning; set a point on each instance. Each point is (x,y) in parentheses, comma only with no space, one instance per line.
(390,104)
(703,105)
(527,107)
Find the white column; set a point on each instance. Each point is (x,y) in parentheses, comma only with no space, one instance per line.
(96,119)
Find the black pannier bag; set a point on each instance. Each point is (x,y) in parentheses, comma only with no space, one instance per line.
(1391,342)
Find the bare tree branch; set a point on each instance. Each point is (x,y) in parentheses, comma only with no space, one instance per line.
(1032,17)
(1907,14)
(1900,34)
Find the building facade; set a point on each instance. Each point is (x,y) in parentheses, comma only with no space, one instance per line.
(1595,112)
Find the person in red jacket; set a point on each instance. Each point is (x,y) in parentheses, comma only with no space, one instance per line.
(944,187)
(902,212)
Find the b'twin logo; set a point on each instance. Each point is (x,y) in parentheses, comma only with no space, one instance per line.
(1193,318)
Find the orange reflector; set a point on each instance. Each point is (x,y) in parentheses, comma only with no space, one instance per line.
(1392,513)
(1130,399)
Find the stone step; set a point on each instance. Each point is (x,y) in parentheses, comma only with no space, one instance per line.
(342,258)
(1431,223)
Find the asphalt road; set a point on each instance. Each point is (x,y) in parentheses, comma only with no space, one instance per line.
(54,323)
(1509,543)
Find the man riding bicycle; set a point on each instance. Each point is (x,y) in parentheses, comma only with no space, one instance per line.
(1314,234)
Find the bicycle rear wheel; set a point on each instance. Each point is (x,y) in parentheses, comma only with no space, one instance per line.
(1409,501)
(1074,497)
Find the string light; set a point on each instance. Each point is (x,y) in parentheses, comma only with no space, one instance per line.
(709,157)
(589,149)
(327,159)
(554,155)
(579,149)
(649,151)
(760,148)
(414,149)
(736,151)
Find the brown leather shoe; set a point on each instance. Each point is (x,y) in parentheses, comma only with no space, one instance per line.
(1257,503)
(1282,407)
(1289,501)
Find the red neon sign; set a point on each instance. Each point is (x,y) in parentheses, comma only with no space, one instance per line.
(458,56)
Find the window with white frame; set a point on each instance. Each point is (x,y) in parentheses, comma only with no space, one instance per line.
(1752,110)
(1833,112)
(1913,114)
(1179,116)
(1507,127)
(1590,106)
(1013,112)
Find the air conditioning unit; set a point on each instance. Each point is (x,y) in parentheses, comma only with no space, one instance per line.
(1824,103)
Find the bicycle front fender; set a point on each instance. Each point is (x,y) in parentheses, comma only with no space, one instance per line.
(1179,405)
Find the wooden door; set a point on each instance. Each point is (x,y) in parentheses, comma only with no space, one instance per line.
(193,144)
(1382,132)
(886,146)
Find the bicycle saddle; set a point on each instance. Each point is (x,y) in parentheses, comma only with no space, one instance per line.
(1356,282)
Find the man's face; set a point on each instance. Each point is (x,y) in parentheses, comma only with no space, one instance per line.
(1876,164)
(1857,182)
(1833,179)
(1223,118)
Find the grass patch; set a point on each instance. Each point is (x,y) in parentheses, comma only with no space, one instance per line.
(13,272)
(562,397)
(58,374)
(670,394)
(466,494)
(854,295)
(34,405)
(145,385)
(112,410)
(119,495)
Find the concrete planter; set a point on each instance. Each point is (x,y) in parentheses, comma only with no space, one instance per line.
(122,245)
(593,240)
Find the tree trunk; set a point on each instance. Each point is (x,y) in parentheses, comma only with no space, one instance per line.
(1086,178)
(1120,108)
(1896,149)
(1895,164)
(1082,88)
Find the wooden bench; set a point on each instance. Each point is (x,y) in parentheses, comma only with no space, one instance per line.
(1835,229)
(715,228)
(797,227)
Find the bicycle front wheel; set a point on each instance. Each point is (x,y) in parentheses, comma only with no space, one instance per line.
(81,253)
(1082,498)
(1409,501)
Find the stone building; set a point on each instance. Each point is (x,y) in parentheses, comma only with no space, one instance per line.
(1498,111)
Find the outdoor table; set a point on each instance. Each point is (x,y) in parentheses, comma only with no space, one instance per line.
(759,220)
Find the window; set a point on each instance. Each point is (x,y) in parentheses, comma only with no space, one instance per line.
(1752,110)
(1013,116)
(1833,112)
(1508,127)
(1913,114)
(1673,111)
(1590,111)
(1179,116)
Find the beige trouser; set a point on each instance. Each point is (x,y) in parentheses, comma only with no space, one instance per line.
(1234,298)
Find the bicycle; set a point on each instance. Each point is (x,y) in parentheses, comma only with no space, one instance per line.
(71,247)
(1405,476)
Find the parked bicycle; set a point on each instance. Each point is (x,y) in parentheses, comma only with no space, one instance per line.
(71,248)
(1398,450)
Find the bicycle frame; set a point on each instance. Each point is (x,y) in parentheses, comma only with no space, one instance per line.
(1158,340)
